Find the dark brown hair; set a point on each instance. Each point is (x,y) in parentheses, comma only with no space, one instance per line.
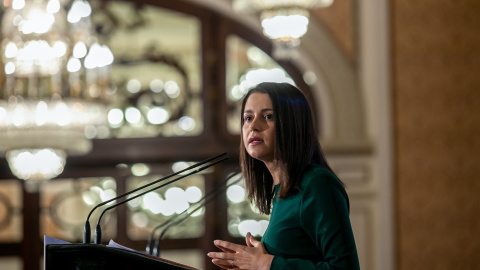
(296,145)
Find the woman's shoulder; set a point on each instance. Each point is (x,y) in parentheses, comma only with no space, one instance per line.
(316,176)
(322,186)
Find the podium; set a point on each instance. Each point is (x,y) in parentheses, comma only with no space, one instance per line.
(99,257)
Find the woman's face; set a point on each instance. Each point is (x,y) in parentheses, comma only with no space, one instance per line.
(258,130)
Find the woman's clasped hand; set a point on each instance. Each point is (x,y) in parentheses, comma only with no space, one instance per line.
(251,256)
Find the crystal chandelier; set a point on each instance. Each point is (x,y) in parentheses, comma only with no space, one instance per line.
(283,21)
(55,85)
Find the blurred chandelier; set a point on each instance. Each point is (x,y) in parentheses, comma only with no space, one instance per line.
(55,85)
(283,21)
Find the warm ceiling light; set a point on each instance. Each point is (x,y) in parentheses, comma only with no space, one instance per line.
(52,91)
(283,21)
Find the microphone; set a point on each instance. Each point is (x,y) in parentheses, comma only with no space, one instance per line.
(216,191)
(98,229)
(87,230)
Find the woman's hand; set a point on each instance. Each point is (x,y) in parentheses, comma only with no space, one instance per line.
(252,257)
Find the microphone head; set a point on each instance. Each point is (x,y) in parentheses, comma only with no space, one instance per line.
(98,234)
(148,249)
(87,233)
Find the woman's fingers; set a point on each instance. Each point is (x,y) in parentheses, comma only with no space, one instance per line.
(221,255)
(227,246)
(222,263)
(241,257)
(248,240)
(251,241)
(225,249)
(254,242)
(225,259)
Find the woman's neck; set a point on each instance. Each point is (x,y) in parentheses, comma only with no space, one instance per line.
(276,170)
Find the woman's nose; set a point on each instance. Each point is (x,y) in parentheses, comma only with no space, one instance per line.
(256,124)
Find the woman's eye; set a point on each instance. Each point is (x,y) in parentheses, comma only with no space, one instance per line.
(248,118)
(269,116)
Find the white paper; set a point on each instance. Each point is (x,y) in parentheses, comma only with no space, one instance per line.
(113,244)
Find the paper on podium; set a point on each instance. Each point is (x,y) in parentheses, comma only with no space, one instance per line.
(116,245)
(47,240)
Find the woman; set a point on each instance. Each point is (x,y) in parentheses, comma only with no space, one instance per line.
(288,177)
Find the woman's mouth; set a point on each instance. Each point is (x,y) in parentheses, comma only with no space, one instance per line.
(254,140)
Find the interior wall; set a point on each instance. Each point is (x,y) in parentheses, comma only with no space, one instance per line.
(370,190)
(436,84)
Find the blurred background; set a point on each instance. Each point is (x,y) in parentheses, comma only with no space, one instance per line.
(100,97)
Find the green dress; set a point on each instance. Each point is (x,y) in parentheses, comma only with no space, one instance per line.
(311,229)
